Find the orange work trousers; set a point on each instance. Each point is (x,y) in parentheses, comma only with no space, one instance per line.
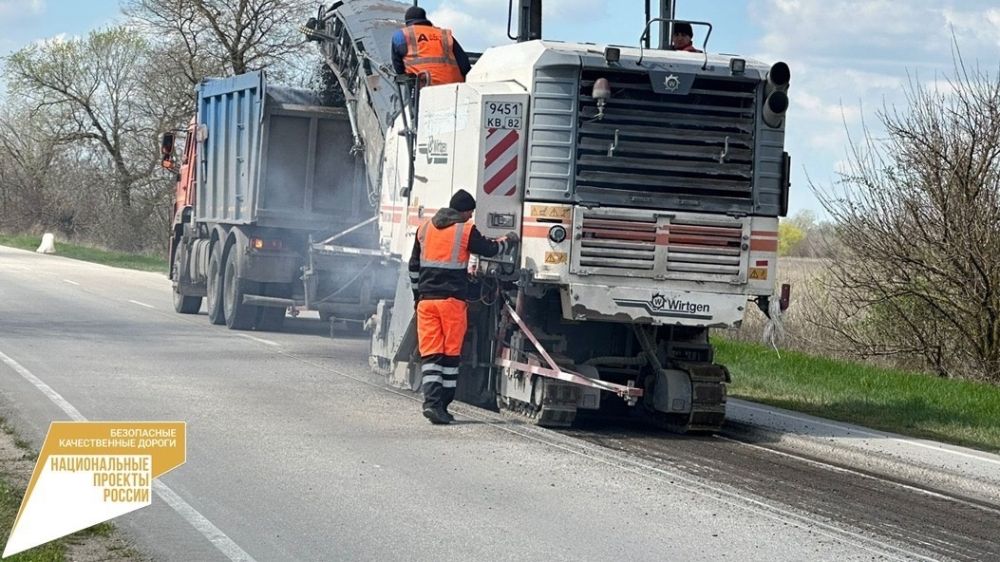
(441,326)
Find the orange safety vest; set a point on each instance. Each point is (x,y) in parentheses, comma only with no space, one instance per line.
(444,248)
(430,55)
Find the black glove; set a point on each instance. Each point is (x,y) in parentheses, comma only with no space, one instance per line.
(416,299)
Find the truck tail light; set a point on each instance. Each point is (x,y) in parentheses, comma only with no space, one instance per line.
(266,243)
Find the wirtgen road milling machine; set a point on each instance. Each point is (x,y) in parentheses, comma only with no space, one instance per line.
(646,185)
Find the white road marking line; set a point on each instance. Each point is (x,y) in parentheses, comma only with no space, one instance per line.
(869,433)
(71,282)
(142,304)
(219,540)
(259,340)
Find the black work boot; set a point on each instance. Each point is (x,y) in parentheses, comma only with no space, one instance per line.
(437,415)
(448,415)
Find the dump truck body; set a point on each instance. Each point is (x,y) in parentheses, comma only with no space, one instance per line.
(274,174)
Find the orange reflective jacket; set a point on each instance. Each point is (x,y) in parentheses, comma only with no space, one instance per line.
(430,55)
(444,248)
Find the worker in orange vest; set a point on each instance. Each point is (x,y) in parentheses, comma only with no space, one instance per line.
(439,278)
(682,38)
(430,53)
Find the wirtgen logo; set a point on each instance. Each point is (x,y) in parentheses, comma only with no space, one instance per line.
(660,302)
(661,306)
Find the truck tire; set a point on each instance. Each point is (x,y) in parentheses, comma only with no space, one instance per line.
(239,316)
(214,300)
(183,304)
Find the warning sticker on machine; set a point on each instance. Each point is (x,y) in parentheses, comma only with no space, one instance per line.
(550,212)
(555,257)
(503,115)
(758,273)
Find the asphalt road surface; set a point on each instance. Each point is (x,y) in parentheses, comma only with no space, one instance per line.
(295,452)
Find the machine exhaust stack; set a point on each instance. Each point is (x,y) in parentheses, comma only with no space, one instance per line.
(529,20)
(667,12)
(776,100)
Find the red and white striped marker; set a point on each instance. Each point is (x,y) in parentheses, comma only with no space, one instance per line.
(502,157)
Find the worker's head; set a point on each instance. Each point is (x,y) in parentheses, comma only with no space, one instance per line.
(415,14)
(683,35)
(462,202)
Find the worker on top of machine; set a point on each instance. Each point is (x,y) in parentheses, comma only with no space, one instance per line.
(430,53)
(440,281)
(683,37)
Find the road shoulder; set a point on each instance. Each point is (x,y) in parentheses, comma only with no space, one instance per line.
(954,470)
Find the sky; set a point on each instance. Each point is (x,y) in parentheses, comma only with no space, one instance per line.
(849,58)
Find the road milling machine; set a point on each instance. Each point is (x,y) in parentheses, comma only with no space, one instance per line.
(646,185)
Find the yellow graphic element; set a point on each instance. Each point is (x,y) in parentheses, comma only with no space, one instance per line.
(550,212)
(758,273)
(555,258)
(90,472)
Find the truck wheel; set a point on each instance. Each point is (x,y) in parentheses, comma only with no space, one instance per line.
(185,304)
(239,316)
(214,300)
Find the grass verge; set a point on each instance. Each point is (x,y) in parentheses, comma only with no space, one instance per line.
(954,411)
(87,253)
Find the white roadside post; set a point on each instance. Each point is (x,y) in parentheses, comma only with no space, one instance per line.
(48,245)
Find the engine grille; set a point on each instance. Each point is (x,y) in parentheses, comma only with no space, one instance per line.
(668,144)
(619,243)
(634,243)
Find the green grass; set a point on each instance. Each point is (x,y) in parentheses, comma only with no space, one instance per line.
(954,411)
(87,253)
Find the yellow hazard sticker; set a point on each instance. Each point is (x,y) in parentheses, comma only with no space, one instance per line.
(555,258)
(550,212)
(758,273)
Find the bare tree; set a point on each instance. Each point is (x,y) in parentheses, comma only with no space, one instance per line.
(94,84)
(42,185)
(211,37)
(104,103)
(918,217)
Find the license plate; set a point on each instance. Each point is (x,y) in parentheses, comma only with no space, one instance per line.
(503,114)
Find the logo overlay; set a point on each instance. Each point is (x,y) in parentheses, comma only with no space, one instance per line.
(90,472)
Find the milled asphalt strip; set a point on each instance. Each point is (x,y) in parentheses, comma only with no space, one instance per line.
(874,434)
(219,540)
(841,469)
